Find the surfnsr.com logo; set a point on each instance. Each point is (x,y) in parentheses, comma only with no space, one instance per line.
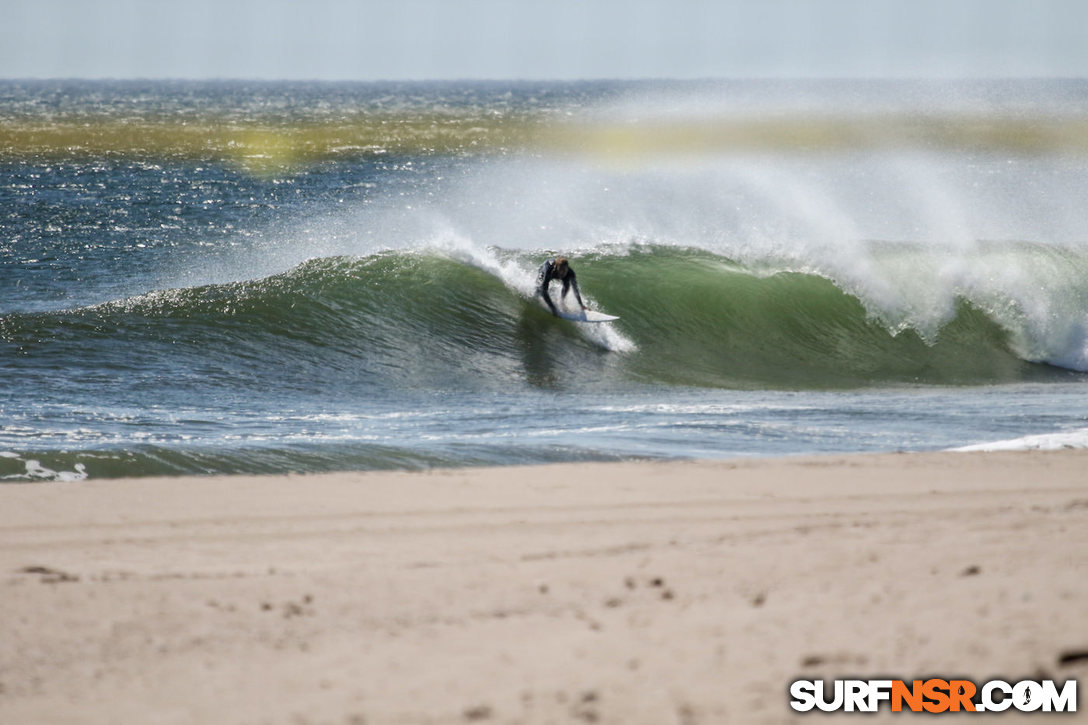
(933,696)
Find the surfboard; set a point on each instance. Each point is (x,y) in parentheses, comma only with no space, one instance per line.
(586,316)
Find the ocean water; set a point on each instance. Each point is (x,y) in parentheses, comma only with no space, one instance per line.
(229,277)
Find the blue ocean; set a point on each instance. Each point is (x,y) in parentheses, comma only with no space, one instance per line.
(235,277)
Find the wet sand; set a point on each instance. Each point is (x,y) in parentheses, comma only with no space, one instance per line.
(611,593)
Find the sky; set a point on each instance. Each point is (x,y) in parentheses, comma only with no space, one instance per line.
(542,39)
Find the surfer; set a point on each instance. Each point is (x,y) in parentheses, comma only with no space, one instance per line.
(557,268)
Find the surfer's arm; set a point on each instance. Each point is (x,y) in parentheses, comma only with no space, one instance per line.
(543,279)
(572,281)
(551,305)
(543,292)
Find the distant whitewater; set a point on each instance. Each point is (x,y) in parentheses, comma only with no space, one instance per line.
(228,277)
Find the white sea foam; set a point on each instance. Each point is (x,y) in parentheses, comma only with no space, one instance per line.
(35,471)
(1043,442)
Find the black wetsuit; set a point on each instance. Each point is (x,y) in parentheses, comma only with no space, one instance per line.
(547,274)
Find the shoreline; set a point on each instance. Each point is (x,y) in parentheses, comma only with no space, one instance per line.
(637,592)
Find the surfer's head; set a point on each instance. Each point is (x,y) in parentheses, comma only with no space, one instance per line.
(562,266)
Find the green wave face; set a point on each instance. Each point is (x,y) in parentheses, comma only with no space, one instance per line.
(699,319)
(432,320)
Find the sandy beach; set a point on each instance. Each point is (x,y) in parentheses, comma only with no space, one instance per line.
(612,593)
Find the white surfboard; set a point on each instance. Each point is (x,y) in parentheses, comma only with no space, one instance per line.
(587,316)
